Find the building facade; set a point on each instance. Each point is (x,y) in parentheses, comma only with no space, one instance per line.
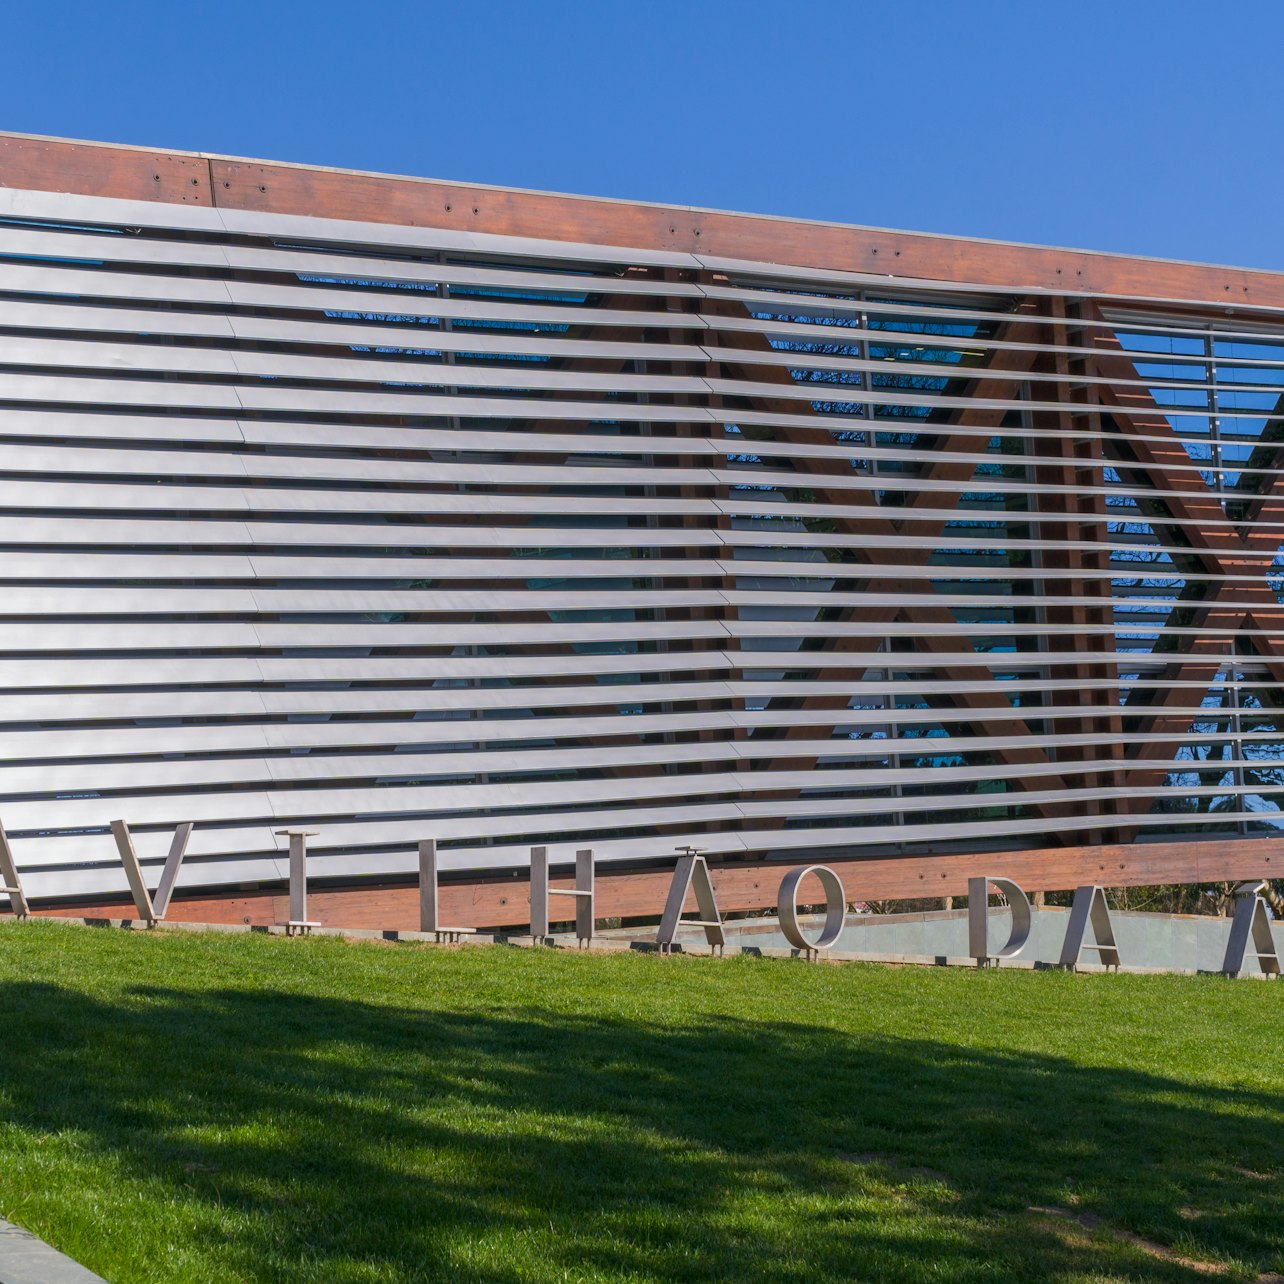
(393,509)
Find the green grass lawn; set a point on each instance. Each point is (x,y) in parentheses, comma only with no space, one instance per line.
(205,1107)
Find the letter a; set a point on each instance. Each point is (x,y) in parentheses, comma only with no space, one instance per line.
(1089,908)
(1251,921)
(691,868)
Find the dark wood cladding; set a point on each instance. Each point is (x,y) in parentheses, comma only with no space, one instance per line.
(142,174)
(740,887)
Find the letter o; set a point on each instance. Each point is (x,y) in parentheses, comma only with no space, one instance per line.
(835,908)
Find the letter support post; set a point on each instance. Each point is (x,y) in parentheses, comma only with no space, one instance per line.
(298,923)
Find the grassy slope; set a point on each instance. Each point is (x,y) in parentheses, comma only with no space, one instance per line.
(221,1108)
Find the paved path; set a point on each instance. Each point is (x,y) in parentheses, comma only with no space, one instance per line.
(24,1259)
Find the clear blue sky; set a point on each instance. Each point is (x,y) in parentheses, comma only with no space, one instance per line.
(1136,125)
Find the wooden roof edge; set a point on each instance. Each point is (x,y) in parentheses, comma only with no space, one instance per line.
(140,173)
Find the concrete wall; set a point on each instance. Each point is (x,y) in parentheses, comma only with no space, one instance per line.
(1170,941)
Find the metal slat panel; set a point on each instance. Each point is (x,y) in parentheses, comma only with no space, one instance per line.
(73,706)
(316,807)
(259,511)
(208,525)
(133,358)
(49,458)
(346,332)
(91,565)
(101,354)
(53,780)
(60,425)
(188,670)
(36,637)
(42,281)
(57,602)
(28,242)
(248,396)
(340,331)
(298,736)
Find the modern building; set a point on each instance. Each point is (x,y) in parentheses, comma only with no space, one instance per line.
(392,509)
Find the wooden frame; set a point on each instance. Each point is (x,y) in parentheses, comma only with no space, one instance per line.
(139,173)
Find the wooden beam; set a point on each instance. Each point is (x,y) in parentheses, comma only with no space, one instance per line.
(96,169)
(740,887)
(137,173)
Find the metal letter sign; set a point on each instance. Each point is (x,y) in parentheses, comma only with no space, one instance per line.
(835,908)
(12,884)
(151,909)
(1251,922)
(429,915)
(582,892)
(691,869)
(173,863)
(978,919)
(1090,908)
(429,906)
(298,922)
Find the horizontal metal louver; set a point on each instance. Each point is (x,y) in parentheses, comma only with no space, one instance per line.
(400,532)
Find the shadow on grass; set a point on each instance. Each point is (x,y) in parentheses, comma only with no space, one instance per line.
(328,1139)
